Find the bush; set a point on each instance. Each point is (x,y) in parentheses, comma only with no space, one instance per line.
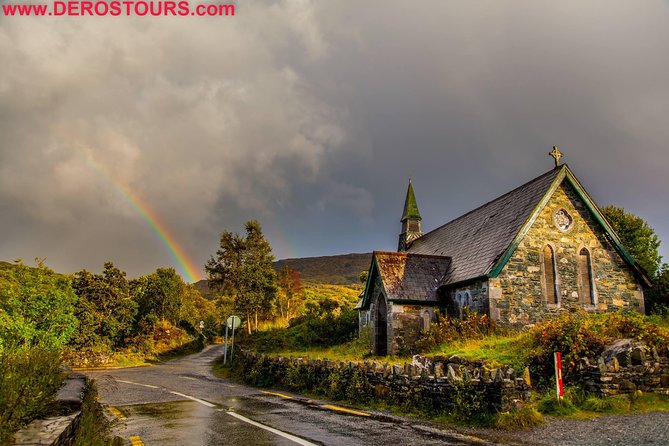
(578,335)
(29,381)
(469,403)
(36,307)
(325,324)
(567,334)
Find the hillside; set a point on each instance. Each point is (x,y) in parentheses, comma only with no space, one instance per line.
(328,270)
(335,270)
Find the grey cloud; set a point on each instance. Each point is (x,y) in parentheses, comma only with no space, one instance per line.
(312,115)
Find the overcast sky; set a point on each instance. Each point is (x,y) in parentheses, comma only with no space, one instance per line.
(311,116)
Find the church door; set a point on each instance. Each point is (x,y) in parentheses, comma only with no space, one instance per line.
(381,327)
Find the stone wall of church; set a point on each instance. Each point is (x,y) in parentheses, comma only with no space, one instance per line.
(518,296)
(408,321)
(474,297)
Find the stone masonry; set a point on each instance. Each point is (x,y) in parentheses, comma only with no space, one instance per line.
(517,295)
(433,380)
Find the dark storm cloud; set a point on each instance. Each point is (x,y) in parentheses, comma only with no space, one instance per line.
(311,116)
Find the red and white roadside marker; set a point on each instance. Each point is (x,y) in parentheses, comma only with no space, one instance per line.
(558,375)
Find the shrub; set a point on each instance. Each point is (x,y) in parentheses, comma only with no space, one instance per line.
(567,334)
(323,325)
(468,402)
(29,381)
(36,307)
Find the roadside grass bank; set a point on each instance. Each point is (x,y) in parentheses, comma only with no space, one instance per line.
(166,342)
(94,428)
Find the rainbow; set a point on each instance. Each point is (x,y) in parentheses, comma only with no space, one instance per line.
(186,266)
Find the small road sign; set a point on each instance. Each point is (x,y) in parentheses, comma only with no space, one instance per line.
(234,322)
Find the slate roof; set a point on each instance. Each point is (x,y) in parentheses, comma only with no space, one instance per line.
(410,277)
(475,241)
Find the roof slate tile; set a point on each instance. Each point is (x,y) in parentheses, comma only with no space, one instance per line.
(476,240)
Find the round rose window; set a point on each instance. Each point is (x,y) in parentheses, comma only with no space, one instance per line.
(563,221)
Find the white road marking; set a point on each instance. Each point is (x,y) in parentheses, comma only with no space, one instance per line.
(288,436)
(206,403)
(137,384)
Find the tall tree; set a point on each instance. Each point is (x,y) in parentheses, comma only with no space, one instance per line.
(637,236)
(159,296)
(243,268)
(106,309)
(657,298)
(291,291)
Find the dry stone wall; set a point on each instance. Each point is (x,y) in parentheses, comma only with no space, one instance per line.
(625,367)
(434,383)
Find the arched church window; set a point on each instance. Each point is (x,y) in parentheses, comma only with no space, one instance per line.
(550,275)
(586,277)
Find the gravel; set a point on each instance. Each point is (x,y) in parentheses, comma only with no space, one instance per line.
(611,430)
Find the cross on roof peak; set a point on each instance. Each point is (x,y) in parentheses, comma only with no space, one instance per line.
(556,154)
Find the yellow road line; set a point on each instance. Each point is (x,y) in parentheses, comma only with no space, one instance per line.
(343,409)
(136,441)
(288,397)
(117,413)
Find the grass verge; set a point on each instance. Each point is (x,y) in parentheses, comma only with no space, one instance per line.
(94,428)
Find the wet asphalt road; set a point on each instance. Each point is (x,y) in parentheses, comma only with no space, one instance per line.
(180,402)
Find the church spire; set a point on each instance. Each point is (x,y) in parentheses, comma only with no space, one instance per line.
(411,229)
(410,205)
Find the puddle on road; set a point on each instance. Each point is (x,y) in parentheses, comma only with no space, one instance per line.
(190,423)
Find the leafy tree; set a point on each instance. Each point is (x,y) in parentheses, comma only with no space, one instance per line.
(243,268)
(106,309)
(291,291)
(195,308)
(159,296)
(637,236)
(36,307)
(657,298)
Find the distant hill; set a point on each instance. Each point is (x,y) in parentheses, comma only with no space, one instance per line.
(335,270)
(332,270)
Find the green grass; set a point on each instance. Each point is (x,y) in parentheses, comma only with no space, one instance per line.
(524,418)
(94,428)
(494,350)
(354,350)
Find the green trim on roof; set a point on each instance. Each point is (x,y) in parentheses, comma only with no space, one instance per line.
(372,269)
(410,205)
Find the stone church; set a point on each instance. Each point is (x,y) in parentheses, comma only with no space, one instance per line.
(542,249)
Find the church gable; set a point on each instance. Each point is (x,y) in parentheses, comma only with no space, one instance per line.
(566,259)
